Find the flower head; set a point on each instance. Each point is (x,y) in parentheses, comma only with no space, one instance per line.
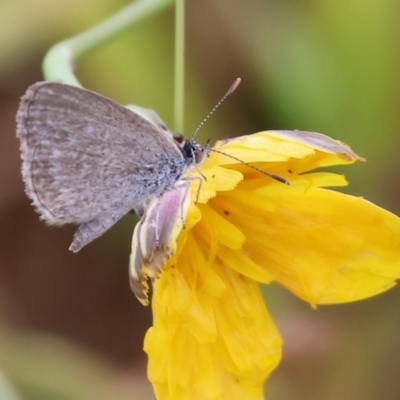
(212,336)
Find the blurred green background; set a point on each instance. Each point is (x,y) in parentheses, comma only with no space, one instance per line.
(69,326)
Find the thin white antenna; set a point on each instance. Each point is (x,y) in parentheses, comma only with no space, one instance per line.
(228,93)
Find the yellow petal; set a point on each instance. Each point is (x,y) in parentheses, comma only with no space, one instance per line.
(327,247)
(207,345)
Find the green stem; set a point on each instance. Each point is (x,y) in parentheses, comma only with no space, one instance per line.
(58,64)
(179,65)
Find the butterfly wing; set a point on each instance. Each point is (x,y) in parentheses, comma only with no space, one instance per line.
(85,156)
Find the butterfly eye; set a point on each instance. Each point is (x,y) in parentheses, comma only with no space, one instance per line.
(178,137)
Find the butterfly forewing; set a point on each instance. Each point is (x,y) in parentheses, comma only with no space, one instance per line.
(85,155)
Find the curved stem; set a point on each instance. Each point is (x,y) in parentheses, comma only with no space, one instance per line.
(59,62)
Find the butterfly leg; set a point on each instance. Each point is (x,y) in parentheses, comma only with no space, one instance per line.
(88,231)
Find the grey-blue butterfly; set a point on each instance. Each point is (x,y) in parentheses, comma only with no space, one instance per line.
(88,160)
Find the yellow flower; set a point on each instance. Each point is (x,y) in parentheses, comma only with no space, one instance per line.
(212,336)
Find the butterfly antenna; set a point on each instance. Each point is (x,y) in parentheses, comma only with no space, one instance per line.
(271,175)
(208,148)
(228,93)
